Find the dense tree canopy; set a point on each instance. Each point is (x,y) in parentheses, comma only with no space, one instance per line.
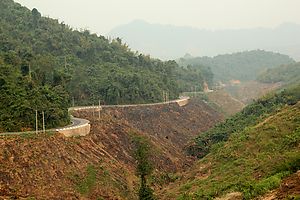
(49,62)
(243,66)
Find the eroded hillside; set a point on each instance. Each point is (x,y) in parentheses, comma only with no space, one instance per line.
(100,165)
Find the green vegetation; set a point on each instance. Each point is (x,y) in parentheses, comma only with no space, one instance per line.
(21,95)
(45,64)
(249,116)
(192,77)
(84,185)
(250,152)
(286,73)
(98,176)
(144,166)
(241,66)
(253,159)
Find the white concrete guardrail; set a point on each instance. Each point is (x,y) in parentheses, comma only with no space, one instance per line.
(81,127)
(182,101)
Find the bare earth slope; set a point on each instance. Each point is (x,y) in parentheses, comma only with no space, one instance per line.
(228,104)
(251,90)
(100,165)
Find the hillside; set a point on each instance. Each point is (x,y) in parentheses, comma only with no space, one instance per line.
(47,66)
(227,104)
(243,66)
(171,42)
(247,92)
(286,74)
(101,165)
(248,154)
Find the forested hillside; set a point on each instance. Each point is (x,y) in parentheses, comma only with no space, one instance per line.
(242,66)
(286,73)
(46,65)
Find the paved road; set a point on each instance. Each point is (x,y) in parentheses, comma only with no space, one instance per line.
(76,122)
(182,98)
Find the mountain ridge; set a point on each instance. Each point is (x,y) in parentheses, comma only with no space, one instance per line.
(154,39)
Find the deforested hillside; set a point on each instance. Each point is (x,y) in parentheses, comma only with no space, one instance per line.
(242,66)
(249,91)
(101,165)
(47,66)
(248,154)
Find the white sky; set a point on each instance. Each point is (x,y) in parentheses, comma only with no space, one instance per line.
(101,16)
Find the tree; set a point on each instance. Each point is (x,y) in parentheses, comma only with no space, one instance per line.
(144,166)
(36,15)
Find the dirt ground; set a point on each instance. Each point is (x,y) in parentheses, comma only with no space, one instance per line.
(248,91)
(50,166)
(289,189)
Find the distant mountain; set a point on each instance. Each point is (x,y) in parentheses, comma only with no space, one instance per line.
(243,66)
(45,65)
(171,42)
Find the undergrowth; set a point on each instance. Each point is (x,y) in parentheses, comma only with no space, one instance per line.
(250,153)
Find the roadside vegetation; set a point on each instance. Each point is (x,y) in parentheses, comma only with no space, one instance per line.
(249,153)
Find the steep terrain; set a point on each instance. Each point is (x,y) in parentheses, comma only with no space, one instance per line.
(101,165)
(251,162)
(171,123)
(228,104)
(288,189)
(248,91)
(248,154)
(46,66)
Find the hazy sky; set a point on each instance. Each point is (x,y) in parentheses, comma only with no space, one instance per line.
(101,16)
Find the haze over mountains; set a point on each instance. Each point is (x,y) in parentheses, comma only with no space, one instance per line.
(172,42)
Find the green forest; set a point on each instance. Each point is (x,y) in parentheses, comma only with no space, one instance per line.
(46,65)
(243,66)
(285,73)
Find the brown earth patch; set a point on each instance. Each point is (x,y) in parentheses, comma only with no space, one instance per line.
(289,189)
(248,91)
(228,104)
(49,166)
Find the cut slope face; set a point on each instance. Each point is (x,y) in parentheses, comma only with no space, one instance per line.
(100,165)
(171,123)
(226,102)
(246,92)
(169,127)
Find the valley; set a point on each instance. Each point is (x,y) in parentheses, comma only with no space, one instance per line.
(108,148)
(89,117)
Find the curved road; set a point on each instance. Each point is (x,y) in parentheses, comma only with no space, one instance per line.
(78,122)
